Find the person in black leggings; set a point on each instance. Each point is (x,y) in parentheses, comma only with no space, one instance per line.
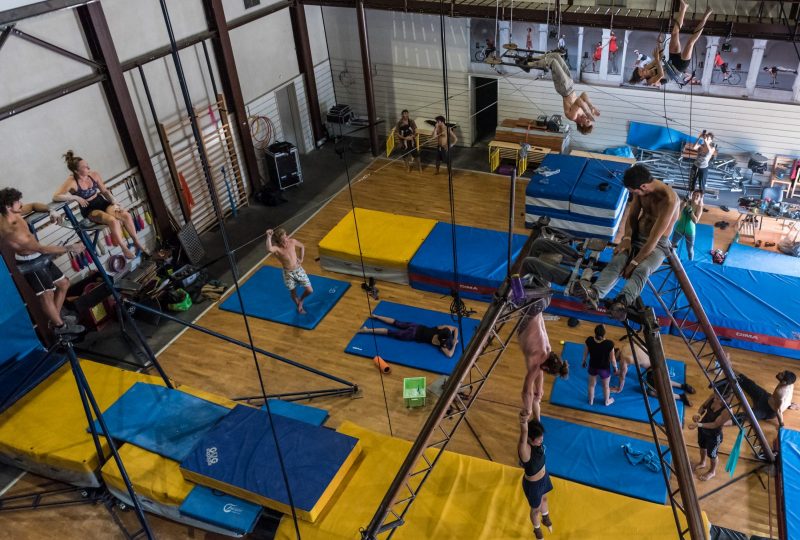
(536,482)
(768,406)
(444,337)
(709,421)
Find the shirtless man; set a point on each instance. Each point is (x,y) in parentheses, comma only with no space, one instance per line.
(445,139)
(626,360)
(293,274)
(44,277)
(651,217)
(539,358)
(576,108)
(767,406)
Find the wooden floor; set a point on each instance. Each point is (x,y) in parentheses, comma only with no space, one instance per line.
(480,200)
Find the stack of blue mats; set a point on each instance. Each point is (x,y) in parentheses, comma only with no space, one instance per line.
(482,261)
(752,258)
(790,477)
(573,198)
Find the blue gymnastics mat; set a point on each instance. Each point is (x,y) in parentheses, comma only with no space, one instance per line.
(761,260)
(166,422)
(482,261)
(304,413)
(239,456)
(655,137)
(790,474)
(595,458)
(410,353)
(266,297)
(627,405)
(703,244)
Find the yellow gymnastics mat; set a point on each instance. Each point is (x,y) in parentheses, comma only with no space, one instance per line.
(471,498)
(388,243)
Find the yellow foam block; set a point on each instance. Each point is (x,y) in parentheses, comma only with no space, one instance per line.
(48,425)
(467,497)
(386,239)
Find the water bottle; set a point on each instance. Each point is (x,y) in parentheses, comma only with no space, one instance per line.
(517,290)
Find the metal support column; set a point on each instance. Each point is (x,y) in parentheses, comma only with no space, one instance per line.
(366,67)
(306,64)
(229,77)
(101,45)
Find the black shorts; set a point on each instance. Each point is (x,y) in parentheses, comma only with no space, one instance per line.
(677,62)
(40,273)
(709,440)
(535,491)
(98,203)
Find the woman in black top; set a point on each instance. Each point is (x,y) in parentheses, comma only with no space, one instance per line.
(536,482)
(601,357)
(709,421)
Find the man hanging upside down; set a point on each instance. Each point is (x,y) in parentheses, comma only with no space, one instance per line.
(444,337)
(651,217)
(293,273)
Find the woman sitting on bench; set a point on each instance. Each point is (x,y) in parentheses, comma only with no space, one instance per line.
(443,337)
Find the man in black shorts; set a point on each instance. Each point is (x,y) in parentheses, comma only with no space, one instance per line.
(34,259)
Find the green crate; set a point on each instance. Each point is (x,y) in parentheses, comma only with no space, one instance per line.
(414,391)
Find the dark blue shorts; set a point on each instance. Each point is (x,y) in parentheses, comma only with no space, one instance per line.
(406,331)
(535,491)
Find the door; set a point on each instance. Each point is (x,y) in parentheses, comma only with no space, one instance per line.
(485,92)
(289,114)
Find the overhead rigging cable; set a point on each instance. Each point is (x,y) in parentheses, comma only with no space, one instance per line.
(224,235)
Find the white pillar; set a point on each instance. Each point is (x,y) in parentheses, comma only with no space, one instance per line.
(504,33)
(604,54)
(621,60)
(755,65)
(579,55)
(712,43)
(542,44)
(796,86)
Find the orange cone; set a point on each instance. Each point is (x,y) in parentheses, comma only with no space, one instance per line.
(381,364)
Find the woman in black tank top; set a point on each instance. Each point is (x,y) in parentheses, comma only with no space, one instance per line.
(97,203)
(709,421)
(536,482)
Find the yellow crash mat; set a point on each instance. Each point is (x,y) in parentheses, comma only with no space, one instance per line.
(386,239)
(49,426)
(471,498)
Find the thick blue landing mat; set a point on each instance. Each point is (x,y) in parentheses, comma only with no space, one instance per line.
(655,137)
(703,244)
(19,338)
(790,472)
(482,261)
(304,413)
(220,509)
(752,258)
(166,422)
(595,458)
(409,353)
(266,297)
(21,375)
(627,405)
(245,456)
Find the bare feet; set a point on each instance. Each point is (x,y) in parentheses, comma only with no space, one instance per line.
(708,476)
(609,401)
(698,465)
(300,308)
(364,330)
(591,402)
(615,390)
(128,253)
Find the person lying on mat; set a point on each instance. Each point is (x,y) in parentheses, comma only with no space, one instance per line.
(644,246)
(33,259)
(536,482)
(600,352)
(577,108)
(97,203)
(626,359)
(444,337)
(445,137)
(708,422)
(768,406)
(284,247)
(686,226)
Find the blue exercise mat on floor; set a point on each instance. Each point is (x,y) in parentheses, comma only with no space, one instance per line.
(753,258)
(595,458)
(410,353)
(628,404)
(266,297)
(166,422)
(790,473)
(703,244)
(304,413)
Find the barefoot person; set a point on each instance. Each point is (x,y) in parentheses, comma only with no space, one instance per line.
(651,218)
(33,259)
(536,482)
(601,358)
(284,248)
(445,137)
(768,406)
(626,360)
(444,337)
(96,202)
(709,421)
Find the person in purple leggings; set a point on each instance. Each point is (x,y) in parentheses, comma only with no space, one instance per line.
(600,352)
